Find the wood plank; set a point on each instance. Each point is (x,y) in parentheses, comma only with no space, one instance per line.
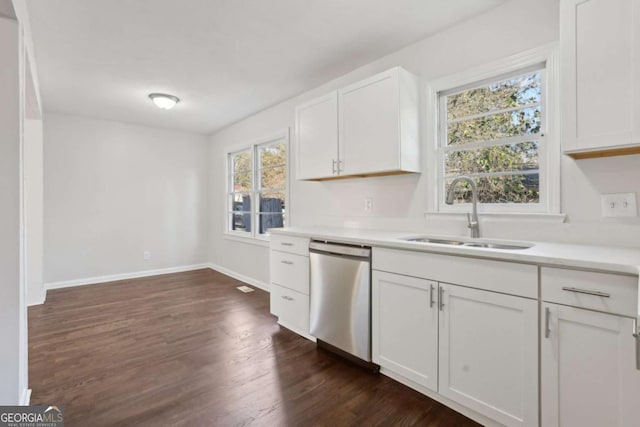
(606,152)
(189,349)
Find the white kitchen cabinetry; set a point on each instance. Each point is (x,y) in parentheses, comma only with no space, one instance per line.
(405,327)
(289,282)
(489,353)
(600,42)
(589,376)
(368,128)
(472,344)
(588,358)
(317,137)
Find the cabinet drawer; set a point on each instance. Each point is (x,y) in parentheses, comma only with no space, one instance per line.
(294,245)
(291,307)
(610,293)
(290,271)
(498,276)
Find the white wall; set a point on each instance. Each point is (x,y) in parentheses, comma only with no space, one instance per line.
(114,190)
(400,202)
(10,300)
(33,205)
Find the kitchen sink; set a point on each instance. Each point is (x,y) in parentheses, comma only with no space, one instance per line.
(452,242)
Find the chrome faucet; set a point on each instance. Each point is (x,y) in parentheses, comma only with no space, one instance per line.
(472,219)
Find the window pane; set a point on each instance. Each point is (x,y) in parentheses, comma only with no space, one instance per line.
(240,222)
(519,189)
(242,181)
(240,202)
(496,126)
(272,155)
(272,202)
(268,221)
(275,177)
(241,162)
(515,92)
(502,158)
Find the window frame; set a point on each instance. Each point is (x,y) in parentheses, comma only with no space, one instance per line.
(253,147)
(549,147)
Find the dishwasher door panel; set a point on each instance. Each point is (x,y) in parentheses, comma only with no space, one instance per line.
(340,302)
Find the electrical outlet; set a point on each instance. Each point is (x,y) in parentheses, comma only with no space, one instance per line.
(368,204)
(146,255)
(619,205)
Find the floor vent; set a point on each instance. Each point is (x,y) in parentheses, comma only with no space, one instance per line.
(245,289)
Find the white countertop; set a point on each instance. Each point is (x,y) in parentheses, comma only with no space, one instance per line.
(602,258)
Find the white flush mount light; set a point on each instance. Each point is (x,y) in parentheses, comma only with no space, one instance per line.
(164,101)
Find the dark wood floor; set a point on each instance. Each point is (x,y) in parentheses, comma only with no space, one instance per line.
(188,349)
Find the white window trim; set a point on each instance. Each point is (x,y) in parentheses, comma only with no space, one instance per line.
(254,237)
(550,170)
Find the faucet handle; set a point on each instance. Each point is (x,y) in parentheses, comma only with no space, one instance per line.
(468,220)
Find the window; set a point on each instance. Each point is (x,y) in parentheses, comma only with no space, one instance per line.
(493,131)
(257,188)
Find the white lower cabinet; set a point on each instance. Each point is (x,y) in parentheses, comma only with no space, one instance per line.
(588,369)
(475,347)
(291,307)
(488,352)
(405,327)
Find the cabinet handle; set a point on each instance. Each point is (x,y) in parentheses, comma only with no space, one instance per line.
(441,298)
(286,244)
(340,166)
(547,315)
(431,296)
(334,166)
(287,298)
(287,262)
(636,336)
(586,291)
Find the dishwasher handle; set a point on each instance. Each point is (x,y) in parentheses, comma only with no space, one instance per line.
(338,249)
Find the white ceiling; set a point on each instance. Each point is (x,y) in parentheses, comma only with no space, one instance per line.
(225,59)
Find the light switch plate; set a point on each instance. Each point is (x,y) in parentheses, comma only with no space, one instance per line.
(619,205)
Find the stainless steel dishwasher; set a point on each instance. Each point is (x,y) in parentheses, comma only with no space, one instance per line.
(340,312)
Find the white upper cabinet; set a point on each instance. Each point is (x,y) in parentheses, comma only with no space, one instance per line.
(379,124)
(600,77)
(317,137)
(368,128)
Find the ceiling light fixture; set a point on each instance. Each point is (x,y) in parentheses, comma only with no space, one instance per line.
(164,101)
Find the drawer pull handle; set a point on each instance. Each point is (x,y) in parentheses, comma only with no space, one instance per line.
(441,298)
(547,315)
(287,298)
(431,296)
(586,291)
(636,336)
(286,244)
(287,262)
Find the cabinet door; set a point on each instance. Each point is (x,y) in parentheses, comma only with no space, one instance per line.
(598,73)
(489,353)
(317,138)
(369,125)
(588,377)
(405,327)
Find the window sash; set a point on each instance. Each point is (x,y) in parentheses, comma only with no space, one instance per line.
(443,147)
(255,215)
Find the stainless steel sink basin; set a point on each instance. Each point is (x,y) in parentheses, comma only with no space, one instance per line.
(451,242)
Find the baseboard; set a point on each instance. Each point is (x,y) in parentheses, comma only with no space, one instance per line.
(238,276)
(43,298)
(124,276)
(25,399)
